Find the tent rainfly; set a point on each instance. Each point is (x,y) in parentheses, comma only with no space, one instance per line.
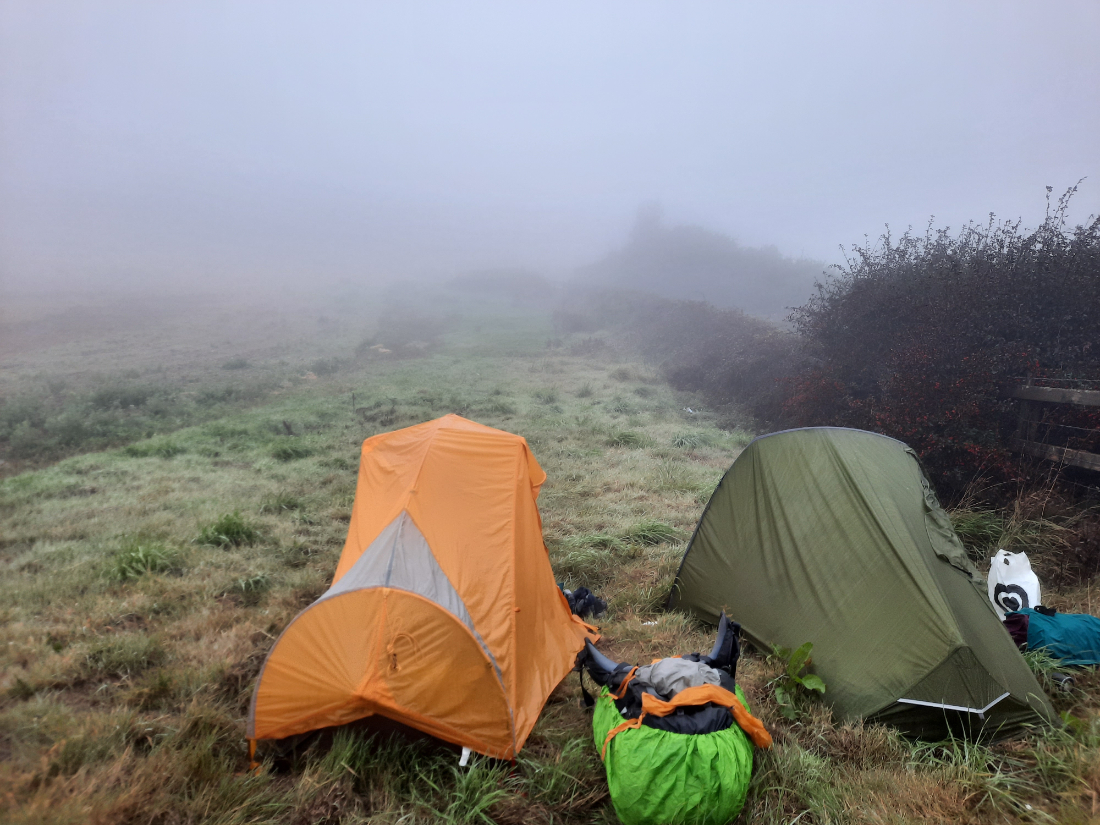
(834,536)
(443,614)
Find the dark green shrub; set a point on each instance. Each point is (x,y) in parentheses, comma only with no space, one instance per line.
(326,366)
(917,338)
(28,410)
(404,331)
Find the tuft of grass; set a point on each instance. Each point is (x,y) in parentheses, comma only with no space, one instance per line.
(236,364)
(564,781)
(585,390)
(155,448)
(705,492)
(689,441)
(980,530)
(230,530)
(649,533)
(621,406)
(672,476)
(1046,668)
(120,397)
(994,782)
(73,753)
(155,690)
(297,555)
(549,395)
(643,598)
(793,778)
(21,690)
(137,556)
(252,589)
(584,565)
(600,541)
(124,655)
(739,438)
(627,438)
(467,794)
(289,449)
(281,502)
(501,407)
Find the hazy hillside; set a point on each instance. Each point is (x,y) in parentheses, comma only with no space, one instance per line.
(699,264)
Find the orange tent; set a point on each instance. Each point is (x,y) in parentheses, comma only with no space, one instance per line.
(443,614)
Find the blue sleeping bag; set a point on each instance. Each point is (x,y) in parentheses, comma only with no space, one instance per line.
(1072,637)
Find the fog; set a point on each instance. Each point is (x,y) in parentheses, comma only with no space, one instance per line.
(171,146)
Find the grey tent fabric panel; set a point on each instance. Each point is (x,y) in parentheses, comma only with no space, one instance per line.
(401,558)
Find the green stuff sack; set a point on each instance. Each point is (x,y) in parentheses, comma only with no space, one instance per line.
(657,777)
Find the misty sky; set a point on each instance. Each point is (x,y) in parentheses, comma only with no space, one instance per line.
(179,142)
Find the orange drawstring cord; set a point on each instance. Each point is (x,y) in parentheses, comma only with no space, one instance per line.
(621,692)
(630,724)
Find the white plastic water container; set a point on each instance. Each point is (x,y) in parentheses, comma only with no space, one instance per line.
(1012,583)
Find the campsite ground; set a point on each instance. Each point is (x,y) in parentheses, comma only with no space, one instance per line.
(181,489)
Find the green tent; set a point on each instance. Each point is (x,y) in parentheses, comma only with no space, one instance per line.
(834,536)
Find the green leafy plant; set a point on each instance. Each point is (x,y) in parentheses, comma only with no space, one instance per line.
(137,556)
(793,685)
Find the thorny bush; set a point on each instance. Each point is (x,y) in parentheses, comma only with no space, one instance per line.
(918,338)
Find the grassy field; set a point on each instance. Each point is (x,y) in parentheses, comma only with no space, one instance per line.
(145,581)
